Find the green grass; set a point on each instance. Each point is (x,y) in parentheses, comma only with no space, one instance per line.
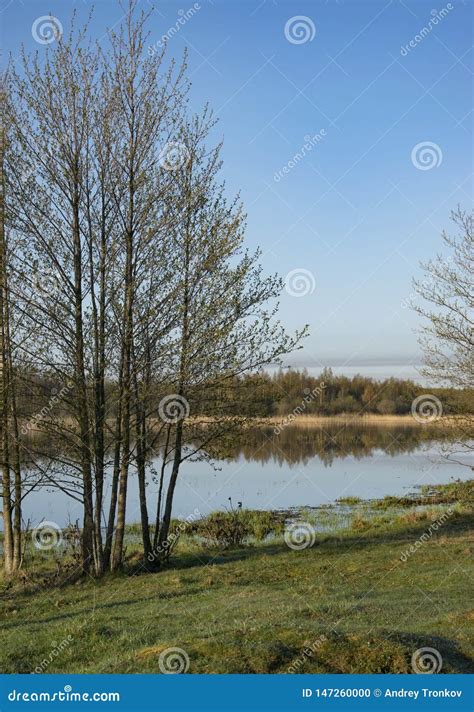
(349,500)
(349,600)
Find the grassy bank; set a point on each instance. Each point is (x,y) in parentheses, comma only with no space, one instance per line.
(362,598)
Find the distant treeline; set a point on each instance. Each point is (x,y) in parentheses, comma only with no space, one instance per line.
(328,394)
(278,394)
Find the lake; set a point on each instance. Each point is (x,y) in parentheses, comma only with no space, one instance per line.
(301,467)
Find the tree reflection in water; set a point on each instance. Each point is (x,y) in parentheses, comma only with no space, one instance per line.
(299,444)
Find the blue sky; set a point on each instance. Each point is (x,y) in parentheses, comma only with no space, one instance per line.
(355,212)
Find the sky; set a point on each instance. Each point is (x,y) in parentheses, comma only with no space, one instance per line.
(348,134)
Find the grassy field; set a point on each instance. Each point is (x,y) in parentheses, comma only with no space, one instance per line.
(363,598)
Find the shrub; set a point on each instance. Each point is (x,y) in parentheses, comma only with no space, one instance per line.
(349,500)
(235,527)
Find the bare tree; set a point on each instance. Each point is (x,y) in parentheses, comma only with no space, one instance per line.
(53,130)
(11,473)
(224,326)
(447,337)
(131,284)
(149,96)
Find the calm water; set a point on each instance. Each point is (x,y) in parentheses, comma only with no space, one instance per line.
(302,467)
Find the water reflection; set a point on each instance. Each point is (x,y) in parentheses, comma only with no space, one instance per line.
(299,444)
(300,467)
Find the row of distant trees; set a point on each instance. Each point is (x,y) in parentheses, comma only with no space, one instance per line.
(265,395)
(123,274)
(330,394)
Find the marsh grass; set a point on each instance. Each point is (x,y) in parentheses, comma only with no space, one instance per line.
(256,608)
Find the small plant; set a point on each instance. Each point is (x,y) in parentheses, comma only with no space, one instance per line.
(224,529)
(349,500)
(235,526)
(360,524)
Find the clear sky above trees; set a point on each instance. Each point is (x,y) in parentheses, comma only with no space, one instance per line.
(355,211)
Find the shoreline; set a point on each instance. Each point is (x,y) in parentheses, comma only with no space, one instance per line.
(365,419)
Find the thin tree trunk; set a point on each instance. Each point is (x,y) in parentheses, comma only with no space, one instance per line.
(115,479)
(98,318)
(81,393)
(123,480)
(160,490)
(16,464)
(183,366)
(165,524)
(141,470)
(4,389)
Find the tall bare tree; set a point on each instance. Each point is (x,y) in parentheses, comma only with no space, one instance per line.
(149,97)
(225,327)
(12,494)
(447,337)
(132,278)
(52,127)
